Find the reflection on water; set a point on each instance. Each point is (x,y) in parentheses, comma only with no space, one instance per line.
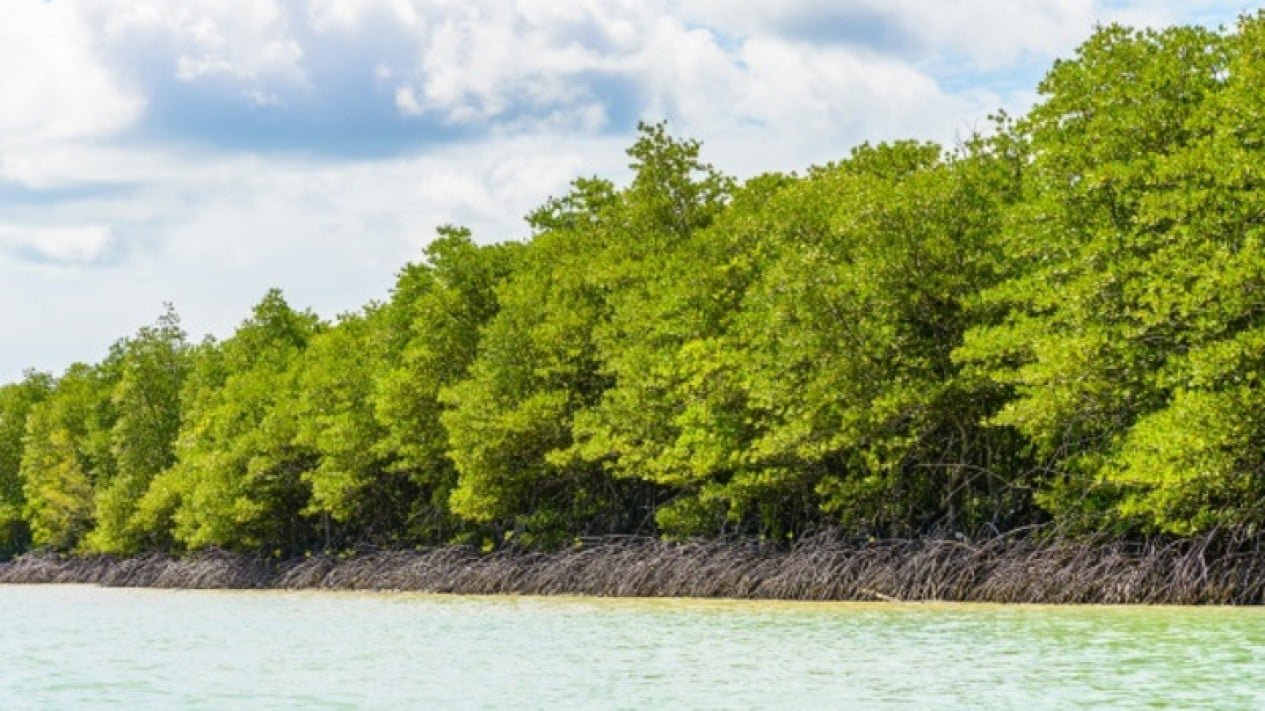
(77,646)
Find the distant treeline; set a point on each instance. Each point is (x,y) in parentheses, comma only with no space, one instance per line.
(1059,322)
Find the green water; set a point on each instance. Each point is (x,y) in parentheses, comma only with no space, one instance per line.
(77,646)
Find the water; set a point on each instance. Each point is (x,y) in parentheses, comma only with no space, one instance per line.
(78,646)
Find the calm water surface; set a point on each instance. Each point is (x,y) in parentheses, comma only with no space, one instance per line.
(78,646)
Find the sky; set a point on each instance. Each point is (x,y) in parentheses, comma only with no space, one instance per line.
(200,152)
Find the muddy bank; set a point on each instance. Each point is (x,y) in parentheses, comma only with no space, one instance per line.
(1209,570)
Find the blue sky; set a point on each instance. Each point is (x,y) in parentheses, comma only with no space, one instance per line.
(199,151)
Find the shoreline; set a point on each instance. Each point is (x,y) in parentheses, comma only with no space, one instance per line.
(1001,570)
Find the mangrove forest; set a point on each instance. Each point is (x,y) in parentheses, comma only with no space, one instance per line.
(1055,327)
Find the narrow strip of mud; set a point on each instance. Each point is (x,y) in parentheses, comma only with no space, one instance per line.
(1199,571)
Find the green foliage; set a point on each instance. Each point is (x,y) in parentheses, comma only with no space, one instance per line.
(1197,460)
(146,401)
(67,452)
(238,479)
(851,332)
(437,313)
(16,402)
(334,414)
(1136,260)
(674,415)
(540,365)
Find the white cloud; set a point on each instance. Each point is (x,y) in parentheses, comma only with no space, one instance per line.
(545,66)
(52,85)
(216,231)
(1149,13)
(986,33)
(407,102)
(245,41)
(349,15)
(480,60)
(76,244)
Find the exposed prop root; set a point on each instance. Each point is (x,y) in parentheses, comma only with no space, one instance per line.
(1217,568)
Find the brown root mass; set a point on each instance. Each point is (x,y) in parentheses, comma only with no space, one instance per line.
(1213,569)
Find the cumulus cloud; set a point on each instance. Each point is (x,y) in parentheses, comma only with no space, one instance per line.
(70,245)
(983,32)
(52,86)
(204,38)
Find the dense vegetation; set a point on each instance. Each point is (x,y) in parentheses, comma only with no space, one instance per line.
(1061,322)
